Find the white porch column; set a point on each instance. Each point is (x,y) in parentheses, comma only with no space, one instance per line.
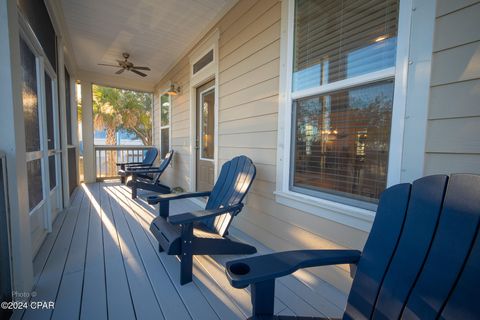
(12,142)
(87,132)
(63,121)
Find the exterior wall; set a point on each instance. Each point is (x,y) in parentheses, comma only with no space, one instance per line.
(249,64)
(453,143)
(249,51)
(179,174)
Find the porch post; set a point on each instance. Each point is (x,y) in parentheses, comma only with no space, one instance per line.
(12,131)
(87,132)
(62,108)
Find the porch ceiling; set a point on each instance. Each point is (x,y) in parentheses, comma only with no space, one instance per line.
(155,32)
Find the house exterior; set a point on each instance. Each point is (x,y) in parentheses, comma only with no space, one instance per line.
(434,120)
(327,124)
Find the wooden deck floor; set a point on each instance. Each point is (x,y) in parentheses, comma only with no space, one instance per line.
(101,262)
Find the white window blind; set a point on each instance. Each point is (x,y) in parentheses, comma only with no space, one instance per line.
(337,40)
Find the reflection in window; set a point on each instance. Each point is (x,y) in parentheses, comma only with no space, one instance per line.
(207,124)
(30,97)
(164,125)
(52,171)
(165,142)
(165,110)
(50,112)
(34,179)
(341,141)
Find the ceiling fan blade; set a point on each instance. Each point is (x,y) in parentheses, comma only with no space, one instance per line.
(139,73)
(108,65)
(141,68)
(120,71)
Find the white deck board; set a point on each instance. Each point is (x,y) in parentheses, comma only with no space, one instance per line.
(102,262)
(119,299)
(49,280)
(68,300)
(143,296)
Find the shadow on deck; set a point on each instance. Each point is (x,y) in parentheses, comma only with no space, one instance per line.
(101,262)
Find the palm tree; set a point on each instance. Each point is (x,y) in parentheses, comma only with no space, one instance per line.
(115,109)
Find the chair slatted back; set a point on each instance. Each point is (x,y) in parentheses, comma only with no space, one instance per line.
(422,257)
(163,165)
(150,156)
(233,183)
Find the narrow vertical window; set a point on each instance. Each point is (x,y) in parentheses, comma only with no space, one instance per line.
(165,103)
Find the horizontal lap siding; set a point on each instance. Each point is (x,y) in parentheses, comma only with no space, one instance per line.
(249,64)
(454,114)
(178,174)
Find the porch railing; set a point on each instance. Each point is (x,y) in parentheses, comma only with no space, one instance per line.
(106,158)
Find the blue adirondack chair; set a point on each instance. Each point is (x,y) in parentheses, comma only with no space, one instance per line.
(205,232)
(421,259)
(149,178)
(147,162)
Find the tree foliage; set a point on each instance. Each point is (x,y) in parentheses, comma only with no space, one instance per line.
(115,109)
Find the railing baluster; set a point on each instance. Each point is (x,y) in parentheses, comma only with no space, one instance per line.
(106,158)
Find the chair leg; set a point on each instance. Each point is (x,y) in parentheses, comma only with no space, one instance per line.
(263,298)
(186,259)
(134,187)
(122,179)
(134,192)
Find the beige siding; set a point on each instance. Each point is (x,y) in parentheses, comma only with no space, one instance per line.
(453,130)
(178,174)
(249,51)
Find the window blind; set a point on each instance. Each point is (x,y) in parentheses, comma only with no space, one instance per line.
(340,139)
(336,40)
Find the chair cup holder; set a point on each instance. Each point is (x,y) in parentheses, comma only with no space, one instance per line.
(239,269)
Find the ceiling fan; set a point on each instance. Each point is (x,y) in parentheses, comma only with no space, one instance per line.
(127,65)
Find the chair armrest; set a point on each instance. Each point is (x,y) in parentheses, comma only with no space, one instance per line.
(244,272)
(138,165)
(194,216)
(134,170)
(176,196)
(126,163)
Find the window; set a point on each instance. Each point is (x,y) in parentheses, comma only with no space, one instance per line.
(31,112)
(165,104)
(207,124)
(342,88)
(203,61)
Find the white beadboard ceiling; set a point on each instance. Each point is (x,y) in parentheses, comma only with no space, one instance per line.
(155,32)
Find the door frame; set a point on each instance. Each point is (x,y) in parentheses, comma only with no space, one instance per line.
(42,65)
(206,74)
(57,151)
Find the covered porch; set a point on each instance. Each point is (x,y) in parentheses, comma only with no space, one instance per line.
(329,115)
(102,262)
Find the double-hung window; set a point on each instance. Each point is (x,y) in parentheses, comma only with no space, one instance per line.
(165,104)
(341,96)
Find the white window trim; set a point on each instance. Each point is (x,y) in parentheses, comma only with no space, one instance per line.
(207,73)
(169,126)
(347,214)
